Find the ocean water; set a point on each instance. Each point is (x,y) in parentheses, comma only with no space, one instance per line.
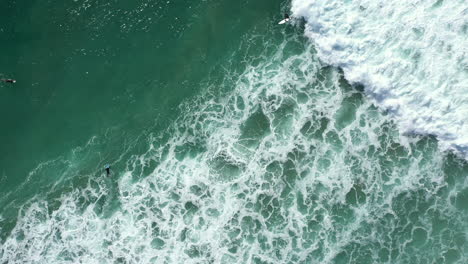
(410,55)
(231,139)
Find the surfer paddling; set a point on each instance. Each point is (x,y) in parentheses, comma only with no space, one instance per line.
(286,19)
(107,169)
(8,80)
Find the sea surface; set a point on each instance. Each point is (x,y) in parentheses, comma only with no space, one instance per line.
(341,137)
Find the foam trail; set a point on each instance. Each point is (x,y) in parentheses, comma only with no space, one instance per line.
(411,56)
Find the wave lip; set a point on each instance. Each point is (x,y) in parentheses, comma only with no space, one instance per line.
(411,56)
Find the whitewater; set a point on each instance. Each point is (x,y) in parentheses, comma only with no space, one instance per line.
(411,57)
(276,157)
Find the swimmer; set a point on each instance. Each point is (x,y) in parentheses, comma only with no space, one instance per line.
(8,80)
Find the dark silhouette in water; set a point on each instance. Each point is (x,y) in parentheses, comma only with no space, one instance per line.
(107,168)
(8,80)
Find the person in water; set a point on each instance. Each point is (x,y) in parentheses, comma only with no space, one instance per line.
(286,16)
(8,80)
(107,168)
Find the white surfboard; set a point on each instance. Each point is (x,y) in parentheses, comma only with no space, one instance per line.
(284,21)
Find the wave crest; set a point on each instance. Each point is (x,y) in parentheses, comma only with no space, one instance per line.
(410,55)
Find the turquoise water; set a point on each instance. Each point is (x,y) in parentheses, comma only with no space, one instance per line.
(229,141)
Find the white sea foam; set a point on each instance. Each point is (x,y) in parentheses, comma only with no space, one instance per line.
(283,169)
(411,56)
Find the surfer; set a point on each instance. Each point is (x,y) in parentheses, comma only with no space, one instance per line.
(286,19)
(8,81)
(107,168)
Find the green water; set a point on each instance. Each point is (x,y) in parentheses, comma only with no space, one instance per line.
(229,143)
(109,70)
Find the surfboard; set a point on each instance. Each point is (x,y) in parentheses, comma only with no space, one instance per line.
(283,21)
